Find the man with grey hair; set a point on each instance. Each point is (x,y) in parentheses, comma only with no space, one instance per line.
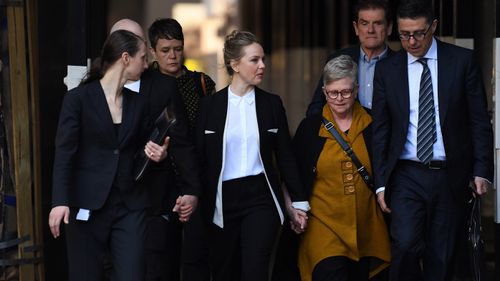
(372,24)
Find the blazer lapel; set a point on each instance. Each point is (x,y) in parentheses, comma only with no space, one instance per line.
(221,111)
(262,113)
(98,99)
(446,65)
(401,78)
(128,113)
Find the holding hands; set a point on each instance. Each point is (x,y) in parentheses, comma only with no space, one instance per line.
(298,220)
(185,206)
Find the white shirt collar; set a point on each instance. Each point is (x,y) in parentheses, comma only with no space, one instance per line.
(134,86)
(248,97)
(431,53)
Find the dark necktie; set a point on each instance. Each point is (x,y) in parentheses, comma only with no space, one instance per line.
(426,131)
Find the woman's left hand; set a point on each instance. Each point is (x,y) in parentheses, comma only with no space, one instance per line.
(298,220)
(156,152)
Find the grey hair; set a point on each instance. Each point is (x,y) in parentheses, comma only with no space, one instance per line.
(339,68)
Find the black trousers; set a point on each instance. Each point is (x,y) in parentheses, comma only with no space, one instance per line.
(424,222)
(242,249)
(341,269)
(162,248)
(195,250)
(113,232)
(285,264)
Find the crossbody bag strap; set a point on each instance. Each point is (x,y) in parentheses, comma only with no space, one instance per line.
(348,150)
(203,84)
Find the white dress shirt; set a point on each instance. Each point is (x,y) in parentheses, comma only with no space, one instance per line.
(414,73)
(242,138)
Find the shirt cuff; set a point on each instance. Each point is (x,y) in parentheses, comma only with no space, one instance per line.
(380,189)
(301,205)
(489,182)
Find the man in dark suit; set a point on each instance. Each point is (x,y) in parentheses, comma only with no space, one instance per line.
(432,137)
(372,24)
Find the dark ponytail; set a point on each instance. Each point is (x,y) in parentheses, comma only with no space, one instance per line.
(115,45)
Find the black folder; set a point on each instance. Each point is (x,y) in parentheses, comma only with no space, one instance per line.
(163,123)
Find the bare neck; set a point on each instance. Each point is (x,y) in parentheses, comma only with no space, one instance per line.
(239,87)
(371,53)
(343,120)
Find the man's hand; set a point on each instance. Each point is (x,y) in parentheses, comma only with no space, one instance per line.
(58,214)
(381,202)
(185,206)
(480,185)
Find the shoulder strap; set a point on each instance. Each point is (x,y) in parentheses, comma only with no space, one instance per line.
(203,85)
(348,150)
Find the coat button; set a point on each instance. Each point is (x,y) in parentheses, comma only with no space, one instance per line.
(116,152)
(348,190)
(348,177)
(348,165)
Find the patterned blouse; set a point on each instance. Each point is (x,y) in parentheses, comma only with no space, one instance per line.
(190,88)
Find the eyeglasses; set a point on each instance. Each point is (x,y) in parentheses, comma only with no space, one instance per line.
(419,35)
(346,93)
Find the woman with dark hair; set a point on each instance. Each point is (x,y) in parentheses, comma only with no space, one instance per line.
(241,133)
(167,48)
(101,126)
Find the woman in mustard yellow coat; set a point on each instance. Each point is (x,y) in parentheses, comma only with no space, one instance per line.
(346,237)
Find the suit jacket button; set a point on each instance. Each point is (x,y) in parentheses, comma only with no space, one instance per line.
(116,152)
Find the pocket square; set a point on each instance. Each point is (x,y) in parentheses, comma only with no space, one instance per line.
(275,130)
(207,132)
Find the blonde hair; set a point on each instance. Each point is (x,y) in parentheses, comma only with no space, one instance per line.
(233,46)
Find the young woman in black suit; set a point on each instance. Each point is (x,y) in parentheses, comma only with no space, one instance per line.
(101,126)
(241,131)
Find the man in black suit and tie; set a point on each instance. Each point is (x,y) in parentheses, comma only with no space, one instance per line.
(372,24)
(432,139)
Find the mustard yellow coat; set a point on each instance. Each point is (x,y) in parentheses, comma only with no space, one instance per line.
(345,219)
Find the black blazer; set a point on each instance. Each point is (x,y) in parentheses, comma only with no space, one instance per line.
(275,145)
(307,145)
(164,181)
(465,124)
(318,99)
(89,157)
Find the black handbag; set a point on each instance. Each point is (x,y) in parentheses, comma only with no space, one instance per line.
(475,242)
(348,150)
(163,123)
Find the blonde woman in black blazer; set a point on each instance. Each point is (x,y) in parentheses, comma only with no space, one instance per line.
(242,131)
(101,126)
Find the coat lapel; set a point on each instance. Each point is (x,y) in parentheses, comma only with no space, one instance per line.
(128,113)
(403,96)
(446,65)
(260,111)
(221,111)
(100,105)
